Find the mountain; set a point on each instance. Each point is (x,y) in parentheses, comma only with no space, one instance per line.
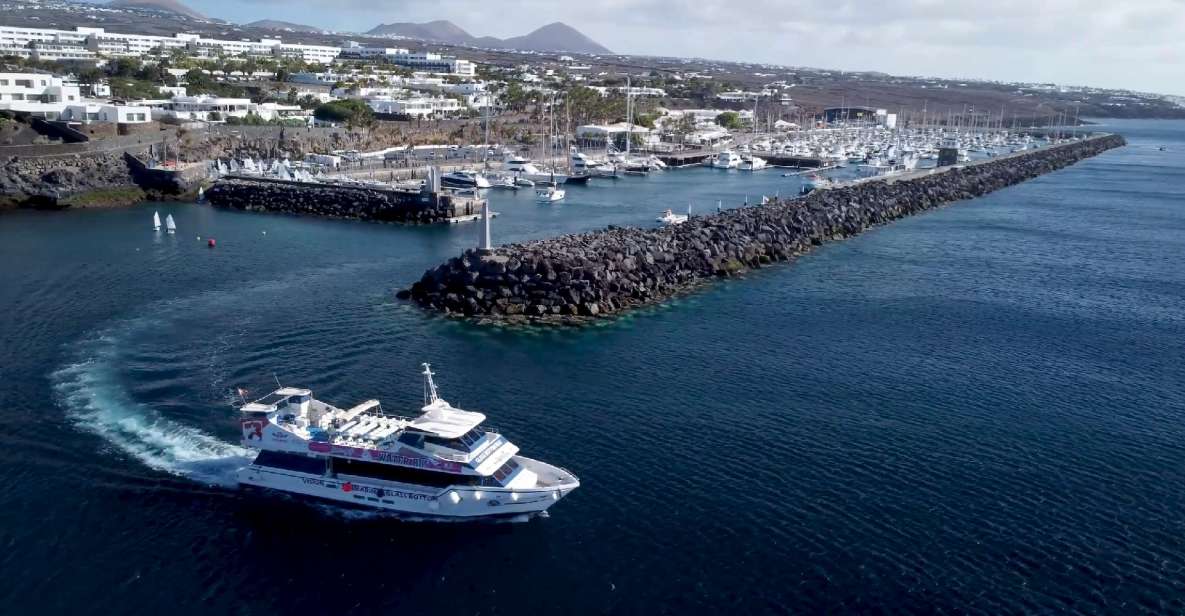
(275,24)
(555,37)
(552,37)
(441,31)
(168,6)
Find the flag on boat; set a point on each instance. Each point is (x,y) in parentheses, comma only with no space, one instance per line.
(242,393)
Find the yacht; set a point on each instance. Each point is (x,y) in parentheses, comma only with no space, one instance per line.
(669,217)
(726,160)
(816,181)
(549,192)
(752,163)
(439,464)
(464,179)
(503,181)
(523,168)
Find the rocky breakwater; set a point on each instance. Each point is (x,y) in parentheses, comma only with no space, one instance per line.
(340,200)
(578,278)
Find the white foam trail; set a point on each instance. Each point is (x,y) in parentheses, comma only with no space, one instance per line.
(97,403)
(90,390)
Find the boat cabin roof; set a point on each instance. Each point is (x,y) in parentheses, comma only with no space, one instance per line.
(270,402)
(443,420)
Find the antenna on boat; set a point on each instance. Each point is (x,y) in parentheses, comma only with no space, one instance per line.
(429,386)
(278,385)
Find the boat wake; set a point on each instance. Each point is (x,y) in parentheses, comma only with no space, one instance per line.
(90,391)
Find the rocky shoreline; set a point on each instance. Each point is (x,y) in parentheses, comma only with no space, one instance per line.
(93,179)
(577,279)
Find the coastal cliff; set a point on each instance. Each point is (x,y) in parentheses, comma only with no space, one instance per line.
(578,278)
(90,179)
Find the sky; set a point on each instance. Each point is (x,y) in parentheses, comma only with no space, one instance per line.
(1133,44)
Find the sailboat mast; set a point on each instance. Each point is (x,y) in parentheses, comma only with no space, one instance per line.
(629,117)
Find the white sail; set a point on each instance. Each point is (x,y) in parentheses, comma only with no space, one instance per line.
(156,221)
(169,224)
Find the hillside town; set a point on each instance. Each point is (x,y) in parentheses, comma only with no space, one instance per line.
(116,82)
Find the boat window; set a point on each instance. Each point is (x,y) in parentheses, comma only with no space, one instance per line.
(506,470)
(410,438)
(462,443)
(291,462)
(401,474)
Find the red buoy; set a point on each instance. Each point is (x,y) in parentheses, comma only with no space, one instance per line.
(211,242)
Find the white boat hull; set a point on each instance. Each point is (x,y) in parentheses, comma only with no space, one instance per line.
(460,502)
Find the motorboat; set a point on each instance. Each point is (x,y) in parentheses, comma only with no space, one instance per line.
(524,168)
(524,182)
(440,463)
(815,181)
(669,217)
(503,181)
(752,163)
(549,192)
(726,159)
(464,179)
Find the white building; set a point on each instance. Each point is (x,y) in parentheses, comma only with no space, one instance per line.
(36,88)
(93,111)
(60,52)
(53,98)
(418,107)
(113,44)
(207,108)
(420,61)
(218,109)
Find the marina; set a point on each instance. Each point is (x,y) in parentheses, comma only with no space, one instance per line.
(940,395)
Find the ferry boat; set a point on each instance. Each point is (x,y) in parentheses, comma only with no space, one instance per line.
(440,464)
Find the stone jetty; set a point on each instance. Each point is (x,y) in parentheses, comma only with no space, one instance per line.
(340,200)
(578,278)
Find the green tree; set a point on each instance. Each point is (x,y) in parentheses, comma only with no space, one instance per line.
(350,112)
(729,119)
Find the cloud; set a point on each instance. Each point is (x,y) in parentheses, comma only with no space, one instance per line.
(1135,44)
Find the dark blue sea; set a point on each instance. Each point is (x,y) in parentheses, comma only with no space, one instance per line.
(976,410)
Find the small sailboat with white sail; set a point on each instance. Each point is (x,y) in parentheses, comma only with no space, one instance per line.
(156,221)
(549,192)
(170,225)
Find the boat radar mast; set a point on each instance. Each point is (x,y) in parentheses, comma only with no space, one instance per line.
(429,386)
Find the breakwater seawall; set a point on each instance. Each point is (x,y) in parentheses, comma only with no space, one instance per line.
(578,278)
(340,200)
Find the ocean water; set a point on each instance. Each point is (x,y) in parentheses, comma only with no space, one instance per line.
(980,409)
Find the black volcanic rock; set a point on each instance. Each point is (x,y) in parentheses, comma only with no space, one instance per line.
(576,278)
